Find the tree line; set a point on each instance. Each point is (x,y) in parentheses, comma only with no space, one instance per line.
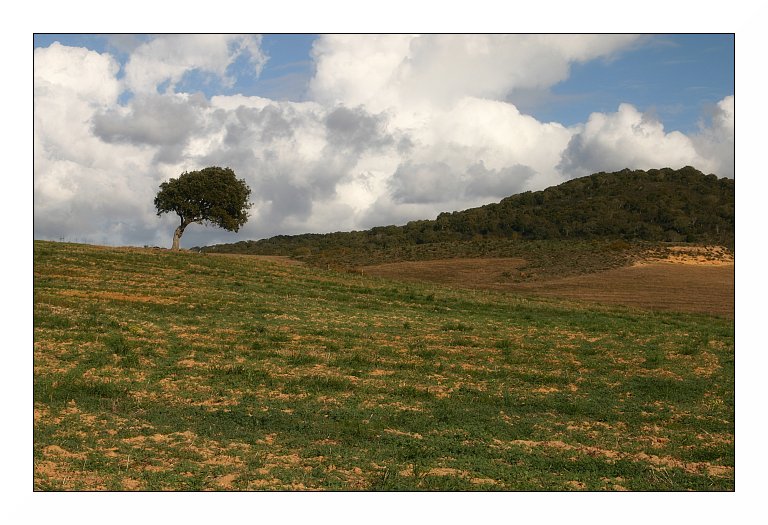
(660,205)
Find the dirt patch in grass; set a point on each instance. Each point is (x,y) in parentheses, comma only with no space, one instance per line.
(225,481)
(55,450)
(652,459)
(131,484)
(414,435)
(545,390)
(379,373)
(116,296)
(483,481)
(712,365)
(693,255)
(66,470)
(455,473)
(445,471)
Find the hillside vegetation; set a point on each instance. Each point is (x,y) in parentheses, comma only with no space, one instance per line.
(591,214)
(160,370)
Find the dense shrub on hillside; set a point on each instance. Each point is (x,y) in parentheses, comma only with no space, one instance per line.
(658,205)
(669,205)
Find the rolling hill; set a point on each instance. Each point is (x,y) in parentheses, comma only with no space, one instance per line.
(628,206)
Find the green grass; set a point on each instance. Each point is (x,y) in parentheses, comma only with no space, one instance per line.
(178,371)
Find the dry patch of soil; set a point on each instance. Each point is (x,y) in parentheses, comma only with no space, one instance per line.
(691,467)
(695,255)
(471,273)
(116,296)
(696,279)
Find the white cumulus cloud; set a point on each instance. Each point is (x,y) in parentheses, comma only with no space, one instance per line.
(166,59)
(715,140)
(414,70)
(84,187)
(631,139)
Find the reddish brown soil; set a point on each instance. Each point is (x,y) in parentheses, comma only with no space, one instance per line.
(680,284)
(657,286)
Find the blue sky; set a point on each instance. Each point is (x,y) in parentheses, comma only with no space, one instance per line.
(343,132)
(677,76)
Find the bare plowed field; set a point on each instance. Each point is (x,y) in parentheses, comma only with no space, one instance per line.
(658,286)
(663,285)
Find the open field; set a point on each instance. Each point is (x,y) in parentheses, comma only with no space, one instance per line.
(681,279)
(663,286)
(156,370)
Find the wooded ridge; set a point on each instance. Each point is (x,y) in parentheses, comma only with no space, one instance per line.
(658,205)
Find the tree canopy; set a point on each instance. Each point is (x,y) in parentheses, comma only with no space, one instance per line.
(213,195)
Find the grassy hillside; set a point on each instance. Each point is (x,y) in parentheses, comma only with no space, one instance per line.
(631,206)
(156,370)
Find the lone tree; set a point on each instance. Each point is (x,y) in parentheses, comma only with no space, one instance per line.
(212,194)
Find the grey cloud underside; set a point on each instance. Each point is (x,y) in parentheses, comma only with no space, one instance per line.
(506,181)
(259,125)
(276,192)
(261,144)
(424,182)
(578,158)
(85,219)
(356,129)
(156,120)
(159,121)
(285,200)
(437,182)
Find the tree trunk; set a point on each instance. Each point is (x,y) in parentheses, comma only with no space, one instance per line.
(177,235)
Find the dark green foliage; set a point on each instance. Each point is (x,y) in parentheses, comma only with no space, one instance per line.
(212,195)
(658,205)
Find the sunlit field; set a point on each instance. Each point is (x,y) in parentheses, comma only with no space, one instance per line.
(156,370)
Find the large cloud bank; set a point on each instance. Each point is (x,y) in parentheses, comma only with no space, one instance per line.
(395,128)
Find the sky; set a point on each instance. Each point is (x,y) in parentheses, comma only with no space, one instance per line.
(338,132)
